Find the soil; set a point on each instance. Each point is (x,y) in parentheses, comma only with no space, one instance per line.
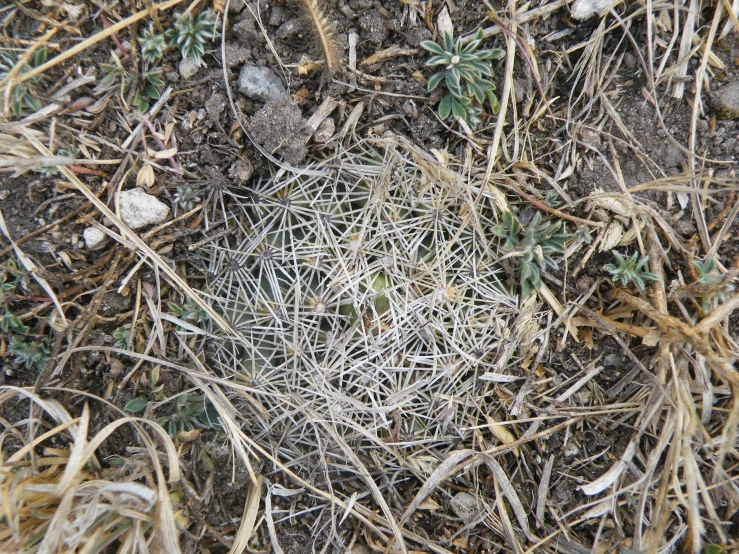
(218,160)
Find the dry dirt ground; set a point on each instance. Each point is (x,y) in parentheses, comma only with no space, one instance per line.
(608,108)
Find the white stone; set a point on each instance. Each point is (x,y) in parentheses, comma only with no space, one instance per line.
(189,67)
(444,23)
(139,209)
(585,9)
(95,239)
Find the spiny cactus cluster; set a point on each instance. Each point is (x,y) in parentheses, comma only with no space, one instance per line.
(366,295)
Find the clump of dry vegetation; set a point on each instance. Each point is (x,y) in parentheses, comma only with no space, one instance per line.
(57,496)
(402,349)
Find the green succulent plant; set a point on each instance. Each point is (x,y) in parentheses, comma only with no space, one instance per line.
(32,354)
(140,89)
(9,323)
(153,45)
(466,72)
(628,270)
(189,312)
(191,411)
(187,197)
(121,336)
(537,243)
(713,282)
(582,234)
(23,94)
(191,34)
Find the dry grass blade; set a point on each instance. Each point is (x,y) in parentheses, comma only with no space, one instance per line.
(251,510)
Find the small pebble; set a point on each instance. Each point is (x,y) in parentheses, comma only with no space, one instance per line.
(95,239)
(325,131)
(189,67)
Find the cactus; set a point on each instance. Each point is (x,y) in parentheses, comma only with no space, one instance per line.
(366,293)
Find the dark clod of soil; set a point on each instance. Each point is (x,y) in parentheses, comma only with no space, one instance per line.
(279,128)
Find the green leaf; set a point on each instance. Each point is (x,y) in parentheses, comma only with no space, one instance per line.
(152,92)
(483,68)
(155,79)
(455,88)
(432,47)
(136,405)
(494,54)
(438,60)
(472,46)
(499,231)
(435,80)
(475,90)
(140,102)
(448,42)
(458,110)
(445,106)
(39,57)
(494,104)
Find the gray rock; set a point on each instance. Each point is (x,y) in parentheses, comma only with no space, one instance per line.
(725,101)
(672,156)
(95,239)
(585,9)
(276,16)
(612,360)
(189,67)
(139,209)
(247,31)
(236,6)
(260,83)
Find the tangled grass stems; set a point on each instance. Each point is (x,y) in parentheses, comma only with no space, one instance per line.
(59,498)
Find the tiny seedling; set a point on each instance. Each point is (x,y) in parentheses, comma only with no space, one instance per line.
(9,322)
(537,243)
(465,74)
(190,411)
(583,235)
(23,94)
(552,199)
(189,312)
(191,33)
(32,354)
(712,281)
(627,270)
(187,197)
(121,336)
(153,45)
